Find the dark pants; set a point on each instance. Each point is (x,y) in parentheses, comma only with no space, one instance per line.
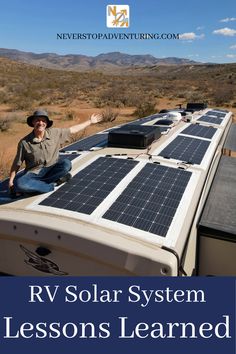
(44,181)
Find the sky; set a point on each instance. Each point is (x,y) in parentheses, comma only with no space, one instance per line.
(207,28)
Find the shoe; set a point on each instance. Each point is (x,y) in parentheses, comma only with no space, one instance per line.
(63,179)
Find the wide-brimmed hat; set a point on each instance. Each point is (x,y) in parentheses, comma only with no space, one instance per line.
(37,114)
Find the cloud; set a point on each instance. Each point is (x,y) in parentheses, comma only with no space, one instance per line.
(231,56)
(190,36)
(233,46)
(228,19)
(225,32)
(193,55)
(199,28)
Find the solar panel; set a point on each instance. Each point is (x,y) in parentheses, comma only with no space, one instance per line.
(147,119)
(186,149)
(219,115)
(109,129)
(209,113)
(210,119)
(150,201)
(216,114)
(4,185)
(4,189)
(90,186)
(221,110)
(88,143)
(199,130)
(70,157)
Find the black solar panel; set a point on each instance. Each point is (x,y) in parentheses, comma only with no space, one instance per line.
(221,110)
(68,156)
(4,185)
(88,143)
(5,196)
(199,130)
(89,187)
(109,129)
(210,119)
(189,150)
(147,119)
(150,201)
(216,114)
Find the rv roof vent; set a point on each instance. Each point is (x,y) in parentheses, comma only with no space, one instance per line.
(174,116)
(164,122)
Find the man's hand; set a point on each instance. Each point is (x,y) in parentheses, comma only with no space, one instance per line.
(11,187)
(10,184)
(96,118)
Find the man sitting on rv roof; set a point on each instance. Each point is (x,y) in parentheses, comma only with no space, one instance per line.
(40,152)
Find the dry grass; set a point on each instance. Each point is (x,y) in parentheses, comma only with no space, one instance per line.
(23,86)
(5,163)
(71,97)
(109,114)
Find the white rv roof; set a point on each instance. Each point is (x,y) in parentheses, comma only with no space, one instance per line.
(149,195)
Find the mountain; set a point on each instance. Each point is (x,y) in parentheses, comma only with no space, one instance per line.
(78,62)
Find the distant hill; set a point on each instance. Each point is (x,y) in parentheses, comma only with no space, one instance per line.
(24,86)
(77,62)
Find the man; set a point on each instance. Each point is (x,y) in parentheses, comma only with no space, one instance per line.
(40,152)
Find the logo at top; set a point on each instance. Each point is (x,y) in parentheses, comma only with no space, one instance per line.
(117,16)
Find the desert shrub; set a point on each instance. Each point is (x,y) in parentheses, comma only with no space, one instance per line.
(113,96)
(22,103)
(3,97)
(182,94)
(144,109)
(6,122)
(5,125)
(196,96)
(69,115)
(124,94)
(17,117)
(222,95)
(109,114)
